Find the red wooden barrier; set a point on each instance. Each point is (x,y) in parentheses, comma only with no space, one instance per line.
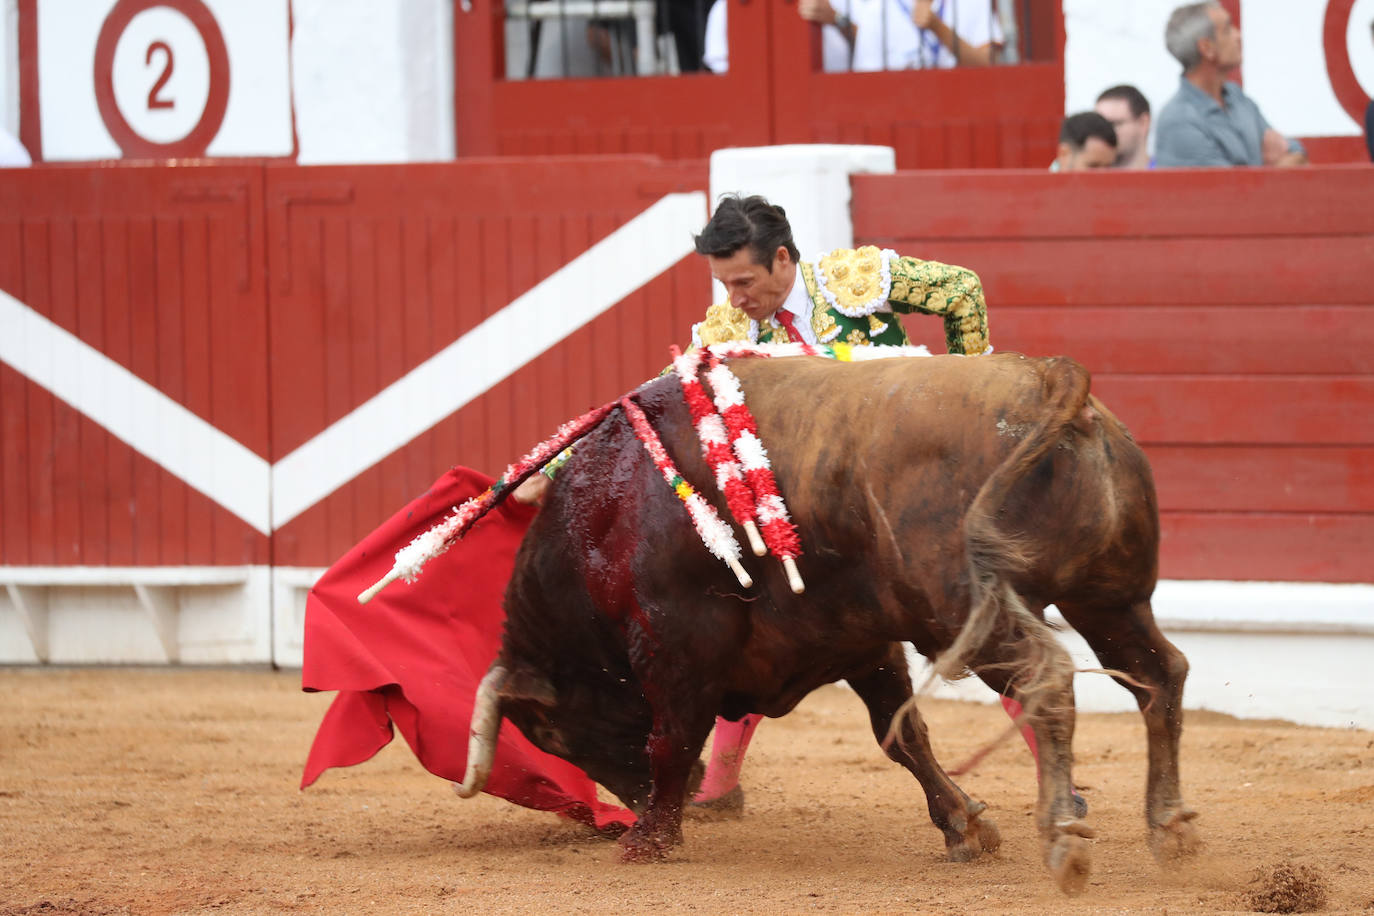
(375,270)
(269,303)
(983,117)
(1228,319)
(162,271)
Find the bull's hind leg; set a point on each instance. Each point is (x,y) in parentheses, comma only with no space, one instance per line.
(1128,640)
(885,690)
(1037,672)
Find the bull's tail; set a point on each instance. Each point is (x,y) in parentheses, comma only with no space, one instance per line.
(993,555)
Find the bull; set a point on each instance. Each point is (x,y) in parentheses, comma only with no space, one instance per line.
(944,501)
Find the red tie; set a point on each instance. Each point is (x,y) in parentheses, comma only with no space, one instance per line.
(785,319)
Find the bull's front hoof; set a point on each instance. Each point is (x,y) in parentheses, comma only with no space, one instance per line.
(979,837)
(641,853)
(1071,863)
(962,852)
(639,847)
(1177,838)
(989,835)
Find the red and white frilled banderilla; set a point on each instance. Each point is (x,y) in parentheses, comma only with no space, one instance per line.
(730,445)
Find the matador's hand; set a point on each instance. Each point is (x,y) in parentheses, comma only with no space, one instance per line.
(923,14)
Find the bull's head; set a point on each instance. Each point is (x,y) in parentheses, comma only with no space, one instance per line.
(601,732)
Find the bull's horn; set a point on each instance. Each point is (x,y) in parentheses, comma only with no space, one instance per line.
(486,722)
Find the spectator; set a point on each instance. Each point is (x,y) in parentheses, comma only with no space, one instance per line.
(902,34)
(835,44)
(1210,121)
(1129,113)
(1086,141)
(890,34)
(956,33)
(686,20)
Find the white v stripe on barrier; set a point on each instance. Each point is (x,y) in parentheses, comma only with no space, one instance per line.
(570,297)
(135,412)
(268,497)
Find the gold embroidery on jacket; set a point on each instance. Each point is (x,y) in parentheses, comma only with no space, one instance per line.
(854,280)
(723,323)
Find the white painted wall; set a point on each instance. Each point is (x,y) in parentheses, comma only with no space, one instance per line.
(1256,650)
(1285,65)
(9,66)
(370,82)
(1285,68)
(373,82)
(257,119)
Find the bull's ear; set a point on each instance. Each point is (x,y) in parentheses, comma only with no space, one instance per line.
(524,684)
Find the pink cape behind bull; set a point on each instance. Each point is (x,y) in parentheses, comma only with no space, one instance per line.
(415,654)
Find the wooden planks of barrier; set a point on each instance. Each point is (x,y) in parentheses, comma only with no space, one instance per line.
(1227,317)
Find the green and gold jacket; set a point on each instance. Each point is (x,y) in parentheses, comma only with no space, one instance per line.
(854,295)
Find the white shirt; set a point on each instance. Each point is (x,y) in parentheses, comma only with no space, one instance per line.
(716,53)
(907,47)
(798,302)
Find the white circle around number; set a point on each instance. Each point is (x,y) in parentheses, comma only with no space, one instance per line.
(161,75)
(1359,44)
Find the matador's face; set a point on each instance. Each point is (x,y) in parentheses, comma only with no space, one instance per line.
(754,289)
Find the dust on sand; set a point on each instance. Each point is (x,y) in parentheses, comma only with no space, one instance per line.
(159,791)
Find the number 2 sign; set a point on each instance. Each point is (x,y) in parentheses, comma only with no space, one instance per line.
(163,79)
(184,106)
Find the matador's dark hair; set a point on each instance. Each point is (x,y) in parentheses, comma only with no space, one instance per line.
(752,221)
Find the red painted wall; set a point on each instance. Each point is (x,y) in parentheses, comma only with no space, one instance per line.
(975,117)
(271,301)
(377,269)
(162,271)
(1227,317)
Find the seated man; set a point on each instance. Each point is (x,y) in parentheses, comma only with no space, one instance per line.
(1210,121)
(1086,141)
(1129,113)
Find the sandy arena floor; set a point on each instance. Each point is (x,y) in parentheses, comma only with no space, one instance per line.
(152,791)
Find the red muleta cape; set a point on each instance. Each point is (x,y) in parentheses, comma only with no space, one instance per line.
(415,654)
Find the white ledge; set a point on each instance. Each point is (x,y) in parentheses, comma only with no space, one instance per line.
(1208,606)
(66,576)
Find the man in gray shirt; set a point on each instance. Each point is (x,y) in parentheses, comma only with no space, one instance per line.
(1210,121)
